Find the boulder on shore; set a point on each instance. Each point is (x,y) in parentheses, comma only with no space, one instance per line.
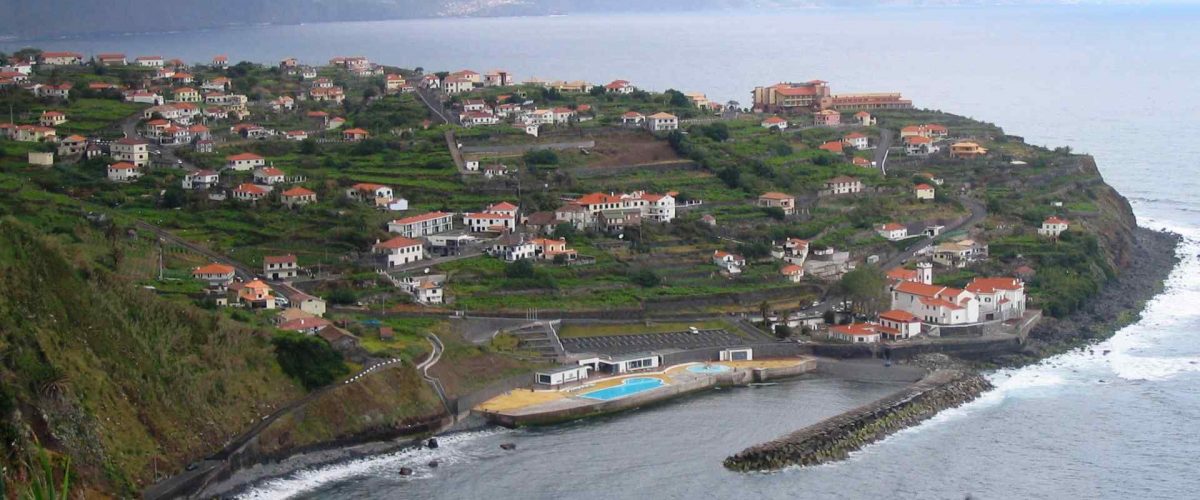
(508,446)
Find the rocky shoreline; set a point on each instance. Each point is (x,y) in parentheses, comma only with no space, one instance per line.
(1118,304)
(835,438)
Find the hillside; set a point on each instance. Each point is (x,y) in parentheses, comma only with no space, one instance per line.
(116,379)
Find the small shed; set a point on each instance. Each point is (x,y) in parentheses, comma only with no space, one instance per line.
(563,375)
(737,354)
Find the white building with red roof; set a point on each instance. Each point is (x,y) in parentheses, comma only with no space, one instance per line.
(898,325)
(243,162)
(490,222)
(652,206)
(936,304)
(857,140)
(1054,226)
(893,231)
(620,87)
(924,191)
(250,192)
(662,122)
(855,333)
(201,179)
(775,122)
(214,275)
(123,171)
(280,267)
(269,176)
(417,226)
(61,58)
(297,196)
(999,298)
(729,262)
(792,272)
(633,119)
(399,251)
(378,194)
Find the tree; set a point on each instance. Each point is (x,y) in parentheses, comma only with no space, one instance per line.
(731,176)
(782,331)
(596,91)
(867,287)
(521,269)
(309,360)
(718,132)
(541,157)
(677,99)
(173,197)
(308,147)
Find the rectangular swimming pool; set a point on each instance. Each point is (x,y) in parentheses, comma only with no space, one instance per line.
(628,387)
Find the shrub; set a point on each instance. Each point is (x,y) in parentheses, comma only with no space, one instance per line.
(645,278)
(308,359)
(541,157)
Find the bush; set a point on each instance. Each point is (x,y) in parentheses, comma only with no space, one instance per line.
(521,269)
(341,296)
(541,157)
(308,359)
(645,278)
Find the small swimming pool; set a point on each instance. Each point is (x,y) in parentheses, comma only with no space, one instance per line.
(628,387)
(708,368)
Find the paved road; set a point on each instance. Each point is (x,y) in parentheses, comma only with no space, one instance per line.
(432,100)
(881,149)
(521,148)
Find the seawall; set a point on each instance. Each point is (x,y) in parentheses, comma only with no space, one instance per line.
(834,438)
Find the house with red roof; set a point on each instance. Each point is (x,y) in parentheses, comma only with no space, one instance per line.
(280,267)
(782,201)
(916,145)
(250,192)
(297,196)
(490,222)
(729,262)
(61,58)
(922,274)
(843,184)
(1054,226)
(131,149)
(257,295)
(426,224)
(307,326)
(924,191)
(553,250)
(123,172)
(619,87)
(775,122)
(898,325)
(399,251)
(855,333)
(111,59)
(792,272)
(52,118)
(244,161)
(378,194)
(355,134)
(633,119)
(149,61)
(201,179)
(892,231)
(834,147)
(220,61)
(999,298)
(856,140)
(662,122)
(268,176)
(864,118)
(936,304)
(214,275)
(827,118)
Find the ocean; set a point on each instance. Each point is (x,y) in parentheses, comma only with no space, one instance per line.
(1116,82)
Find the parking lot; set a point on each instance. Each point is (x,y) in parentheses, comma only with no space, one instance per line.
(620,344)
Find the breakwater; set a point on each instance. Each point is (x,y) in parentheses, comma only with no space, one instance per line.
(833,439)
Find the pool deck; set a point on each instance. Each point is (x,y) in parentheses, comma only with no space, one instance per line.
(544,406)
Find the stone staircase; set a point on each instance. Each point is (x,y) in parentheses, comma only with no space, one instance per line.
(540,338)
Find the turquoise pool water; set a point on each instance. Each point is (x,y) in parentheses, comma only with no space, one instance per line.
(628,387)
(708,368)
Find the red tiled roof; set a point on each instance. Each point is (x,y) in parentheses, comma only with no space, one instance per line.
(989,285)
(279,259)
(213,268)
(249,188)
(791,269)
(297,192)
(1055,220)
(243,157)
(898,316)
(420,218)
(397,242)
(773,195)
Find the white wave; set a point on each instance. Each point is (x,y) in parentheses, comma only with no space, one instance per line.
(306,480)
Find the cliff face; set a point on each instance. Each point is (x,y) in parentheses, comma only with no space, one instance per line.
(1113,221)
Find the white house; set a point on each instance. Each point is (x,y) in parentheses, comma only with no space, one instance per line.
(513,247)
(123,172)
(843,185)
(999,298)
(623,363)
(366,191)
(489,221)
(731,263)
(633,119)
(661,122)
(280,267)
(898,325)
(1054,226)
(924,191)
(893,231)
(201,179)
(857,333)
(400,250)
(244,161)
(268,176)
(422,225)
(775,122)
(856,140)
(936,304)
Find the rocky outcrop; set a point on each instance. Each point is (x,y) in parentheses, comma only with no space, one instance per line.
(833,439)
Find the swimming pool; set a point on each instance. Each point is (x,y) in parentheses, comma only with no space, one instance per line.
(628,387)
(708,368)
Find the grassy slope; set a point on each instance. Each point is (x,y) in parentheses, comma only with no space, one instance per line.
(115,377)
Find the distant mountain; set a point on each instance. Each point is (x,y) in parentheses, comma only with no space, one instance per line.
(49,18)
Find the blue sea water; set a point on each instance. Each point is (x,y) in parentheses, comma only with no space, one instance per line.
(1117,82)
